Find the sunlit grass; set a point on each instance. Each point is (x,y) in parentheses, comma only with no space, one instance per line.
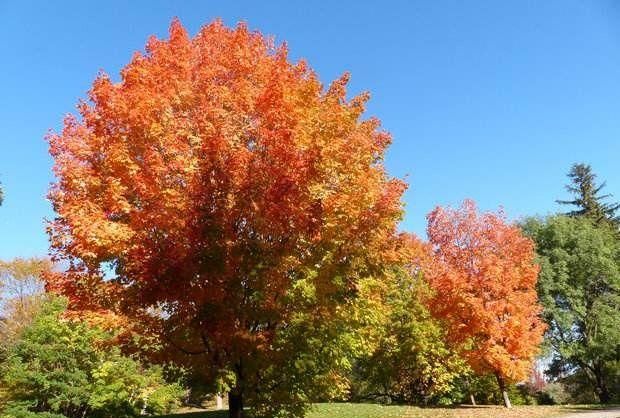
(361,410)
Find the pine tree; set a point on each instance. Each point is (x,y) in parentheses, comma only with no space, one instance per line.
(587,199)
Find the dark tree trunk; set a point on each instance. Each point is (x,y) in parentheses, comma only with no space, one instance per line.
(235,403)
(601,387)
(594,373)
(235,396)
(603,395)
(502,387)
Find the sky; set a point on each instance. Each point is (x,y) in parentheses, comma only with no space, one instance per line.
(487,100)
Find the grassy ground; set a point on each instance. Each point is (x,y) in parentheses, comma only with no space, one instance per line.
(346,410)
(377,411)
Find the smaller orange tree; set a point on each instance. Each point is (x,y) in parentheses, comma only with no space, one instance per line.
(484,279)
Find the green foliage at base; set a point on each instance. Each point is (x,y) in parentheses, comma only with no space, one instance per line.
(411,362)
(67,368)
(23,410)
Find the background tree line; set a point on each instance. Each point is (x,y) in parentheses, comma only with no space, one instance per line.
(395,344)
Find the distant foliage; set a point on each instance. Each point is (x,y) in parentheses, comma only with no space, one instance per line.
(21,295)
(20,279)
(66,368)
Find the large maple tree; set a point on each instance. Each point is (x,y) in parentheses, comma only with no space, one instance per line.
(484,279)
(209,188)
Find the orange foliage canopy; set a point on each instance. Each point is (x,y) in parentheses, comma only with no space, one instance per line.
(484,279)
(208,181)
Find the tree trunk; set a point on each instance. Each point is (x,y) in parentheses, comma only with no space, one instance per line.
(235,403)
(601,388)
(235,395)
(502,388)
(472,399)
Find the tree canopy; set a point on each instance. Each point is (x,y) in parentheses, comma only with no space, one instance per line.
(217,194)
(485,283)
(587,198)
(579,287)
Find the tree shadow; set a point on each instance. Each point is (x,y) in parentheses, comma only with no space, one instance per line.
(205,414)
(593,407)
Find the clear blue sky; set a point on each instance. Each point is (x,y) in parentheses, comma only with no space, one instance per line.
(492,100)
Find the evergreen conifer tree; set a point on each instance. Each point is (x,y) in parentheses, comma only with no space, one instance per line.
(587,198)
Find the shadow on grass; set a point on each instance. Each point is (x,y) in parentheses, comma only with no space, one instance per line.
(593,407)
(206,414)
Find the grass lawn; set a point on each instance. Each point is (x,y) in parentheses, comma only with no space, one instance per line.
(359,410)
(347,410)
(377,411)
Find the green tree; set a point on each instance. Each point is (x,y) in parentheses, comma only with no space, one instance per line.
(412,362)
(579,287)
(66,368)
(587,198)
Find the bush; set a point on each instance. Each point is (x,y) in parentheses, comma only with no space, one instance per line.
(67,368)
(22,410)
(521,394)
(554,394)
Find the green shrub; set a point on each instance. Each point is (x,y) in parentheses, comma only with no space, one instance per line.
(553,394)
(22,410)
(521,394)
(67,368)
